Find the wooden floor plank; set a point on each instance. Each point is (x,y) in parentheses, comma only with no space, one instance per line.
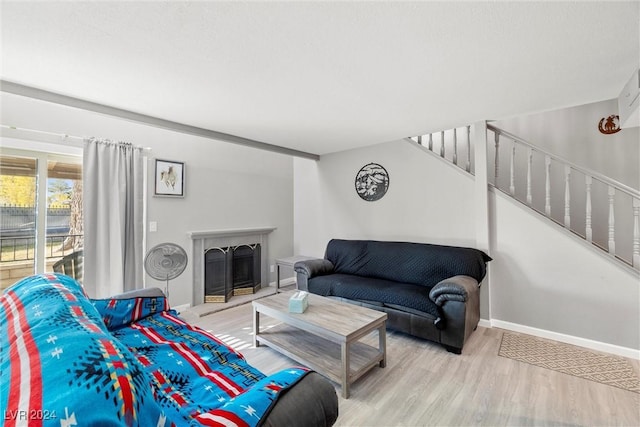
(424,385)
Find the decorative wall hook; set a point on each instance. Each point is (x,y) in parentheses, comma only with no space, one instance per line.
(610,125)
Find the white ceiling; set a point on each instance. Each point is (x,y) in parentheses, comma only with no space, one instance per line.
(324,76)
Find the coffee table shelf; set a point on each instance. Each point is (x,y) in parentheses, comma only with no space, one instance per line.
(303,347)
(325,337)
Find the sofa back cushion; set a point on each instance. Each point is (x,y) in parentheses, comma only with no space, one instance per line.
(416,263)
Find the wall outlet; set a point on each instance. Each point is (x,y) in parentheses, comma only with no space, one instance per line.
(153,226)
(272,268)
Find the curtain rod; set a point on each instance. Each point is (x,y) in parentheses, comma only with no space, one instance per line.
(57,98)
(63,137)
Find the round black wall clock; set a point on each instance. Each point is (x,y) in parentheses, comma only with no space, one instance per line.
(372,182)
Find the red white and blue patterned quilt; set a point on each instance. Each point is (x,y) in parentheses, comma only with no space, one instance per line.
(66,360)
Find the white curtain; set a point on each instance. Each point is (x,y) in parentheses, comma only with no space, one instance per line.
(113,217)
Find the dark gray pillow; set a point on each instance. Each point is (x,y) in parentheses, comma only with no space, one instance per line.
(140,293)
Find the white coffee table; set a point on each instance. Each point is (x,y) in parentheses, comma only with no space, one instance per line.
(325,337)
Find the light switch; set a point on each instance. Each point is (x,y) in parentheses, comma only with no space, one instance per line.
(153,226)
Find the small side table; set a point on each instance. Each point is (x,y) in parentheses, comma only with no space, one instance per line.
(288,262)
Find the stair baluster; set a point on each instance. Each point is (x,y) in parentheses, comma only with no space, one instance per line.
(588,230)
(529,162)
(497,161)
(512,171)
(468,167)
(636,233)
(567,196)
(547,186)
(455,146)
(612,221)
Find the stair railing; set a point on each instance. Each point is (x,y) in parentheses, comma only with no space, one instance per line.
(609,209)
(600,210)
(453,145)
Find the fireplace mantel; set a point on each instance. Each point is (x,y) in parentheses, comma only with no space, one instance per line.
(207,239)
(230,232)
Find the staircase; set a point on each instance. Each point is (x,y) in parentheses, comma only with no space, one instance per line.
(602,212)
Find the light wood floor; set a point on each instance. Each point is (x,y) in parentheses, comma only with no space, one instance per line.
(423,385)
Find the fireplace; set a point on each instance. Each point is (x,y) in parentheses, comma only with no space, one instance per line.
(231,271)
(221,240)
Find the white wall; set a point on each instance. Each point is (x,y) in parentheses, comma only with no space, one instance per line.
(572,133)
(419,205)
(543,277)
(227,186)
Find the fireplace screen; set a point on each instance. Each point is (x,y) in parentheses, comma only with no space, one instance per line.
(231,271)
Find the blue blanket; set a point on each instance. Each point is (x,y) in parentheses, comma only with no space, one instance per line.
(68,361)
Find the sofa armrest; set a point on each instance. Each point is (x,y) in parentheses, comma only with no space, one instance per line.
(312,402)
(458,301)
(313,267)
(456,288)
(307,269)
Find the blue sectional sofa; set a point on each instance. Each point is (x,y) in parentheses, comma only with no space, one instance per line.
(429,291)
(131,361)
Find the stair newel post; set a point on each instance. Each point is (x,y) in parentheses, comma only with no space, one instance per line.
(636,232)
(567,196)
(496,135)
(547,185)
(468,167)
(512,172)
(588,229)
(481,208)
(430,142)
(442,144)
(612,221)
(529,162)
(455,146)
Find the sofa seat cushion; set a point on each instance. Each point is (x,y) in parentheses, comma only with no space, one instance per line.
(387,292)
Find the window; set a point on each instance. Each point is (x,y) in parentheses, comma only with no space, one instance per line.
(40,211)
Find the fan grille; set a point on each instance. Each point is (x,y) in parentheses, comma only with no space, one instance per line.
(165,261)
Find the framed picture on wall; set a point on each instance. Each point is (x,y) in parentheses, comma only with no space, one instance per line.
(169,181)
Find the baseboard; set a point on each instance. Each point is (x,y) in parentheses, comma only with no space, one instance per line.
(284,282)
(484,323)
(568,339)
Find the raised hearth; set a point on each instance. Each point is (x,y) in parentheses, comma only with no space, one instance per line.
(202,241)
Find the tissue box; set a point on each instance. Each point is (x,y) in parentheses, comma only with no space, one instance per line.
(298,302)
